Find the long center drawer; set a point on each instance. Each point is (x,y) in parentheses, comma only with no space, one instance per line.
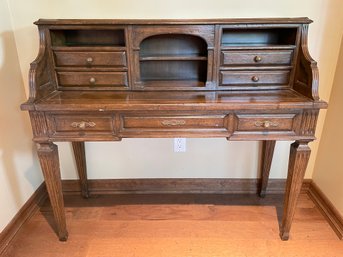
(173,122)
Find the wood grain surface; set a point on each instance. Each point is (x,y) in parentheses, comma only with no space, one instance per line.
(178,225)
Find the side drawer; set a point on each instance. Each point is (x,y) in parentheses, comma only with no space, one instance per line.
(279,77)
(93,79)
(185,124)
(90,59)
(266,122)
(254,57)
(82,124)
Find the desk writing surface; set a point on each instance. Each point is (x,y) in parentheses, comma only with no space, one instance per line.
(88,100)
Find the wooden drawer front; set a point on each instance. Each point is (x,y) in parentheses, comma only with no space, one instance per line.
(91,59)
(93,79)
(174,122)
(261,57)
(64,123)
(266,122)
(254,77)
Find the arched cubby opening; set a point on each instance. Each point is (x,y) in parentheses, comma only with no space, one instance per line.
(173,57)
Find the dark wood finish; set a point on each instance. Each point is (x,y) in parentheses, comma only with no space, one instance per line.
(256,78)
(170,53)
(48,157)
(256,57)
(92,79)
(267,157)
(265,122)
(87,37)
(176,45)
(80,159)
(22,216)
(90,59)
(60,22)
(281,100)
(174,125)
(298,159)
(65,125)
(239,79)
(326,207)
(257,37)
(306,72)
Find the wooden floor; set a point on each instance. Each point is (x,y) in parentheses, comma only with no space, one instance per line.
(177,226)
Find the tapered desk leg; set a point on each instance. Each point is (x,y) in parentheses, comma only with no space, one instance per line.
(298,159)
(267,157)
(48,157)
(80,158)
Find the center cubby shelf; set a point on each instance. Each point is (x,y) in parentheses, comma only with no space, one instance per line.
(173,70)
(173,57)
(256,47)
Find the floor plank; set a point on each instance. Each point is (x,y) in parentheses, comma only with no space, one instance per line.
(177,225)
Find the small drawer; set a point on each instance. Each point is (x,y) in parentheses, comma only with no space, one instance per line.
(254,77)
(266,122)
(93,79)
(260,57)
(83,124)
(90,59)
(174,122)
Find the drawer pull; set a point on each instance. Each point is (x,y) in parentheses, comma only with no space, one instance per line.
(173,122)
(255,78)
(92,81)
(266,124)
(258,58)
(89,60)
(83,124)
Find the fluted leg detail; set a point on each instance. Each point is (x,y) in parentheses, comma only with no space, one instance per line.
(48,157)
(298,159)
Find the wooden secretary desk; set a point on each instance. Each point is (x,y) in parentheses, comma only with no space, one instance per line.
(240,79)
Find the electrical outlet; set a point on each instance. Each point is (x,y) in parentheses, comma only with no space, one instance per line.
(179,145)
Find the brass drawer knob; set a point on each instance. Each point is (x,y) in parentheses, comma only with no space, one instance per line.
(255,78)
(266,124)
(173,122)
(83,124)
(258,58)
(89,60)
(92,81)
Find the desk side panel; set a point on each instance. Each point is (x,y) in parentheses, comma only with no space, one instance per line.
(41,78)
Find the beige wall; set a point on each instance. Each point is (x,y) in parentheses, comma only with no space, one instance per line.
(19,170)
(204,157)
(328,172)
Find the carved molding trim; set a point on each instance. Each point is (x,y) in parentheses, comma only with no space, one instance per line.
(309,122)
(307,66)
(39,125)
